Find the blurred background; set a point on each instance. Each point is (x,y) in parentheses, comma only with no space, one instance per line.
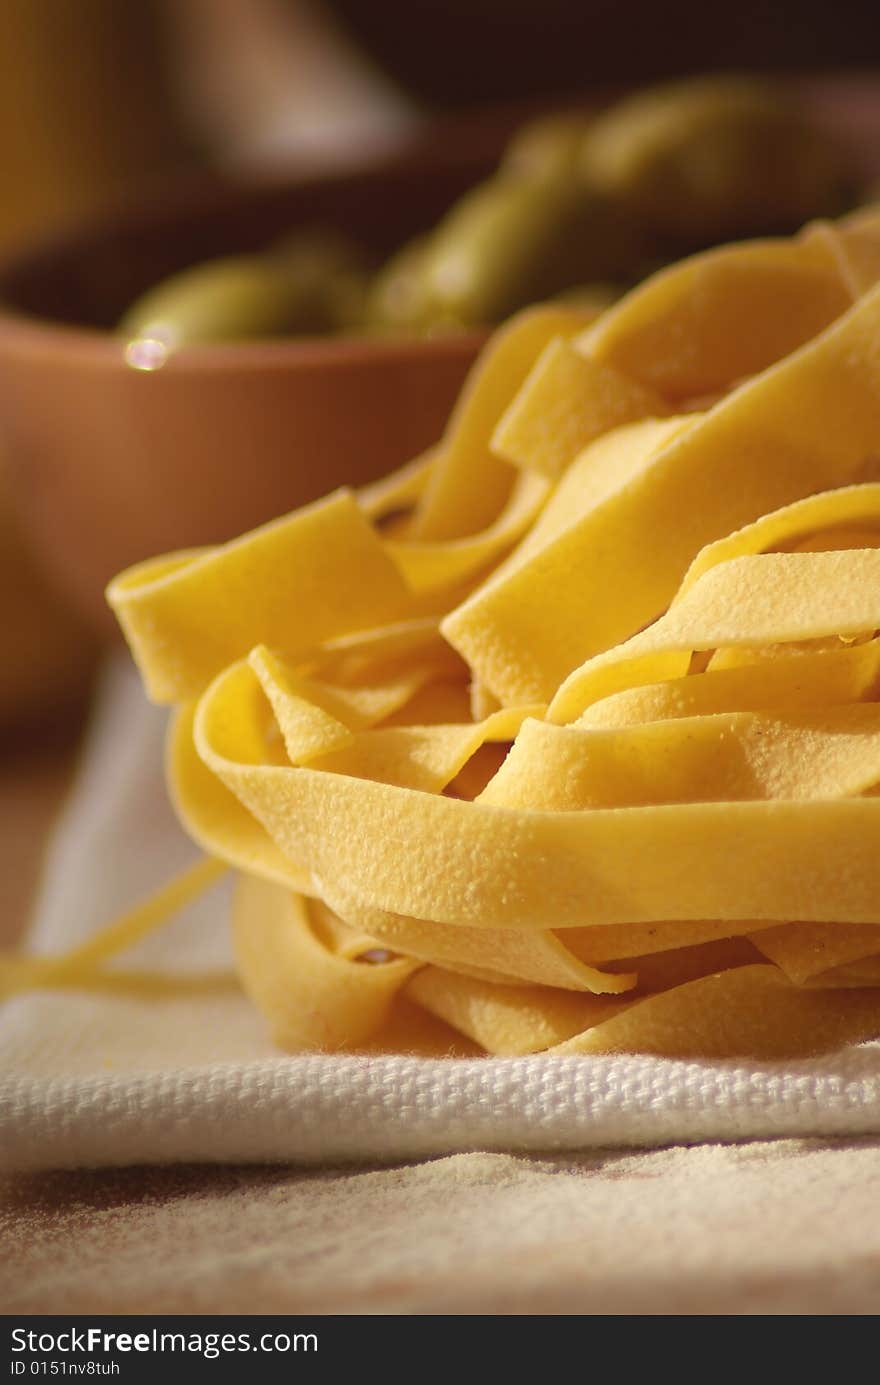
(99,98)
(105,102)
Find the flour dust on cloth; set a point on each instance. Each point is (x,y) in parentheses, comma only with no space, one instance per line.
(99,1078)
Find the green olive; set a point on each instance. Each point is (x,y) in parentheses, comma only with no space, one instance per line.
(331,274)
(220,300)
(398,299)
(302,287)
(712,158)
(530,232)
(549,146)
(514,240)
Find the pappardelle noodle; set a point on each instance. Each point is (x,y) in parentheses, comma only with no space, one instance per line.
(566,736)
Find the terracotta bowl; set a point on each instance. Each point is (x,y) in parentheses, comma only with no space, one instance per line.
(111,464)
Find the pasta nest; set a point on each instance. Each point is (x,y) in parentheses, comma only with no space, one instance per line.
(567,735)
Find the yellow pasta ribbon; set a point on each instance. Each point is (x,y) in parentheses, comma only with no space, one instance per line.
(774,598)
(567,401)
(806,424)
(169,611)
(702,326)
(566,737)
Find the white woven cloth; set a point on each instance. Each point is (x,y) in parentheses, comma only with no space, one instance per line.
(90,1080)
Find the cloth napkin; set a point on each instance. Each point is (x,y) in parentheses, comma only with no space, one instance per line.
(97,1079)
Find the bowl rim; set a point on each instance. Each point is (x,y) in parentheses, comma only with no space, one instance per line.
(166,201)
(28,335)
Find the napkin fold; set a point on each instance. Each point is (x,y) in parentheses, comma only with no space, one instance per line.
(90,1079)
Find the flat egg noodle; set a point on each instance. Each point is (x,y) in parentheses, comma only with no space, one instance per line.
(435,566)
(508,1020)
(430,857)
(301,563)
(806,424)
(804,951)
(794,679)
(548,606)
(700,326)
(854,243)
(316,716)
(706,775)
(621,942)
(566,402)
(680,337)
(502,955)
(469,484)
(315,998)
(750,1011)
(808,518)
(729,757)
(769,598)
